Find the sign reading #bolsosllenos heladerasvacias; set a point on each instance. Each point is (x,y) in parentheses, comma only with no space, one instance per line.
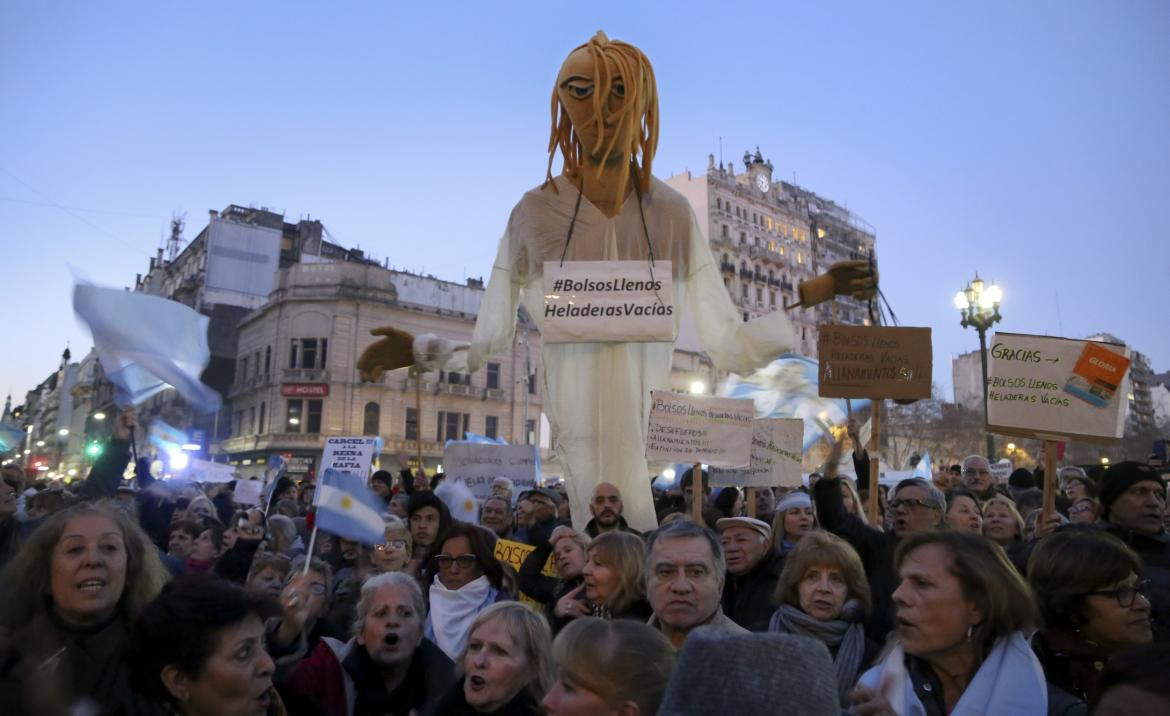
(699,428)
(1046,387)
(604,301)
(874,362)
(777,456)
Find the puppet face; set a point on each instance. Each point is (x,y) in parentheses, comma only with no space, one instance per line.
(583,91)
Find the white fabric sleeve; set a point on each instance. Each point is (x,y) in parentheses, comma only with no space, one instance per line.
(733,345)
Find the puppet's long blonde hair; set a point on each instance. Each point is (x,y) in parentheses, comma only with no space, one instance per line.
(611,58)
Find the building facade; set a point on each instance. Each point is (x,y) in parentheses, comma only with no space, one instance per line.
(296,381)
(767,236)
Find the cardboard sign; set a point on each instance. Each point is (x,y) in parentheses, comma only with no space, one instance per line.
(874,362)
(698,428)
(352,456)
(477,464)
(776,456)
(1049,388)
(248,492)
(513,554)
(600,301)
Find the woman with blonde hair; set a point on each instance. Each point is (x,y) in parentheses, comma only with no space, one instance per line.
(823,594)
(609,667)
(614,579)
(507,665)
(853,503)
(1002,522)
(68,600)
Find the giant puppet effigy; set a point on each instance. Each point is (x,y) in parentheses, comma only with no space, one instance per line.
(606,206)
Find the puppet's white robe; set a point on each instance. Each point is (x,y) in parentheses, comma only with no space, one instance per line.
(597,395)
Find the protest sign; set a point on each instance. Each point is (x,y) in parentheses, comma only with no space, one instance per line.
(1001,471)
(874,362)
(352,456)
(776,456)
(513,554)
(1050,388)
(477,464)
(697,428)
(623,301)
(248,492)
(207,471)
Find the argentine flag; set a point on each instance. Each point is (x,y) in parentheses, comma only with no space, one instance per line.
(349,509)
(923,468)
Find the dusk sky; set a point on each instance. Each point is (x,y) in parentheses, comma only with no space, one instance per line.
(1028,141)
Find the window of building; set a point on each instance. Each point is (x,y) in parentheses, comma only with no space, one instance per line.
(315,409)
(772,298)
(308,353)
(530,432)
(745,317)
(759,294)
(452,426)
(737,212)
(532,382)
(491,426)
(768,222)
(371,416)
(799,258)
(820,233)
(267,360)
(718,203)
(304,416)
(260,427)
(725,231)
(744,290)
(238,423)
(742,237)
(256,365)
(410,431)
(493,376)
(242,371)
(252,420)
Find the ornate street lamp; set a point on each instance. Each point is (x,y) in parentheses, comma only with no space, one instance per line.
(978,304)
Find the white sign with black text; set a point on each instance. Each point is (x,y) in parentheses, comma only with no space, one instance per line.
(776,456)
(699,428)
(607,301)
(477,464)
(349,455)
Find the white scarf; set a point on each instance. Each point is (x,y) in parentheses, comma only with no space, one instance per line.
(453,611)
(1010,681)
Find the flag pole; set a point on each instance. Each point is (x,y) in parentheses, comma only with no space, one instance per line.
(309,553)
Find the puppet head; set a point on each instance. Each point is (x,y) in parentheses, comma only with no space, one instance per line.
(605,110)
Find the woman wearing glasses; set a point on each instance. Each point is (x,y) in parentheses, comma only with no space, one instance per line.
(394,554)
(466,580)
(1092,605)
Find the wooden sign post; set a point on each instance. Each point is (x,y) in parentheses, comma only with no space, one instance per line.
(1055,388)
(751,501)
(875,362)
(697,492)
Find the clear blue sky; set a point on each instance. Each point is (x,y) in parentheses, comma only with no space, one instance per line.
(1027,141)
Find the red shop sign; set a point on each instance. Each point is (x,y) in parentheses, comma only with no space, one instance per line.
(304,390)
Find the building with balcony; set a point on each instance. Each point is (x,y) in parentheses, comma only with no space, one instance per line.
(767,236)
(296,382)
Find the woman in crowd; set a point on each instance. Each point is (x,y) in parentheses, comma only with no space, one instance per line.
(268,572)
(467,579)
(1092,605)
(963,511)
(198,650)
(1084,511)
(609,668)
(317,583)
(823,594)
(1075,484)
(962,613)
(67,602)
(793,519)
(853,503)
(1002,522)
(205,550)
(614,584)
(506,666)
(394,554)
(567,548)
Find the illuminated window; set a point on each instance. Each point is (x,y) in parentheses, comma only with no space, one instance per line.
(799,258)
(820,233)
(771,245)
(768,222)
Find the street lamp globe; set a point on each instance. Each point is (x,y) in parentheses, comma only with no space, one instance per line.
(698,387)
(978,306)
(960,300)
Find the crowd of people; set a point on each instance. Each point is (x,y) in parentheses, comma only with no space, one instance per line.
(139,596)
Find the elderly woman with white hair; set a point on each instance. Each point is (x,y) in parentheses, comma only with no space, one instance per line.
(387,667)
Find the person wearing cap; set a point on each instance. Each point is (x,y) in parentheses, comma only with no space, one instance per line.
(1133,497)
(685,572)
(382,483)
(793,518)
(753,568)
(543,506)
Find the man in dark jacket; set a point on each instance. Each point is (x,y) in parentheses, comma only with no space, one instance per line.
(606,508)
(753,568)
(1133,499)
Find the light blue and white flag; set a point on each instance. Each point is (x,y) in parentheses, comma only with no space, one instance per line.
(349,509)
(146,344)
(460,502)
(923,468)
(11,437)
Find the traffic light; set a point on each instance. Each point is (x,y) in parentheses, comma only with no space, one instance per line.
(93,450)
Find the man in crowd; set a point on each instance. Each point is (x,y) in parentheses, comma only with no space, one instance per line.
(977,477)
(753,568)
(606,508)
(684,581)
(1133,498)
(543,514)
(765,504)
(496,514)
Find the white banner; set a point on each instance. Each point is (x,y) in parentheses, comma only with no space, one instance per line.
(776,456)
(349,455)
(207,471)
(248,492)
(598,301)
(477,464)
(1050,388)
(699,428)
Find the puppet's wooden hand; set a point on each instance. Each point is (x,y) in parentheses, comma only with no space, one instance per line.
(392,351)
(847,278)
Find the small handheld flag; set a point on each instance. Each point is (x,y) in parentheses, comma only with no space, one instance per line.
(349,509)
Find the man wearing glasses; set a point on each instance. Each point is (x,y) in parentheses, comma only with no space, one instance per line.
(1133,500)
(977,477)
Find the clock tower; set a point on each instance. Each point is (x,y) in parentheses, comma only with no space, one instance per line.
(759,171)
